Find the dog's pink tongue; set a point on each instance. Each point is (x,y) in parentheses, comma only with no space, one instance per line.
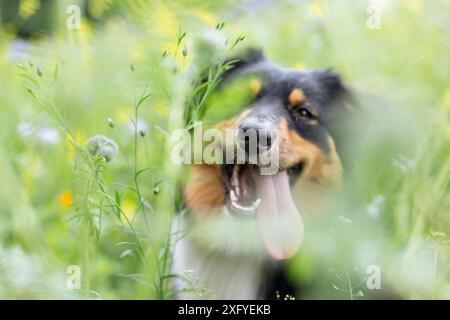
(279,221)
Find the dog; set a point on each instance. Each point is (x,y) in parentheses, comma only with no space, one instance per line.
(242,223)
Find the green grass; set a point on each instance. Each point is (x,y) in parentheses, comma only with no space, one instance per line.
(128,78)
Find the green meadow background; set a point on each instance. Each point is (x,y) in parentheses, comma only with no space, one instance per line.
(127,73)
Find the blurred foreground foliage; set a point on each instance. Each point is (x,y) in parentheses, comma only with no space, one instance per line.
(126,74)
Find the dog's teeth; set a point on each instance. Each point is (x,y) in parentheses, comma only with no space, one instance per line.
(242,208)
(256,203)
(233,197)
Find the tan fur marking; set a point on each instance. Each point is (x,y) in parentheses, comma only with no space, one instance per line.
(296,97)
(294,149)
(204,190)
(320,175)
(255,86)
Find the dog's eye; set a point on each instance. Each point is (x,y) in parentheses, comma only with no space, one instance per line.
(303,112)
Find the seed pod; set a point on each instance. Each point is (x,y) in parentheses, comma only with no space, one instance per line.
(110,123)
(102,146)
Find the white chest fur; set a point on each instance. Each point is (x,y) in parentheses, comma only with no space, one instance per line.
(233,267)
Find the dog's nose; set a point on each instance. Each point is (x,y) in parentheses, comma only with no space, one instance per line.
(255,137)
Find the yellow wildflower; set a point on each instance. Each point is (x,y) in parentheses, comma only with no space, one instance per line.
(299,65)
(206,17)
(316,9)
(66,199)
(123,115)
(129,209)
(27,8)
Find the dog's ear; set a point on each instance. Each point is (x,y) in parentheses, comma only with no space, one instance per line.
(329,86)
(242,60)
(247,57)
(235,64)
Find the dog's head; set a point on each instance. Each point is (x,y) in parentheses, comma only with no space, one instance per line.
(288,116)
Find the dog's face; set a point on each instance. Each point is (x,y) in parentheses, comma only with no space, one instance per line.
(291,113)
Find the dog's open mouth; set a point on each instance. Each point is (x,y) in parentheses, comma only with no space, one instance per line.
(242,199)
(268,198)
